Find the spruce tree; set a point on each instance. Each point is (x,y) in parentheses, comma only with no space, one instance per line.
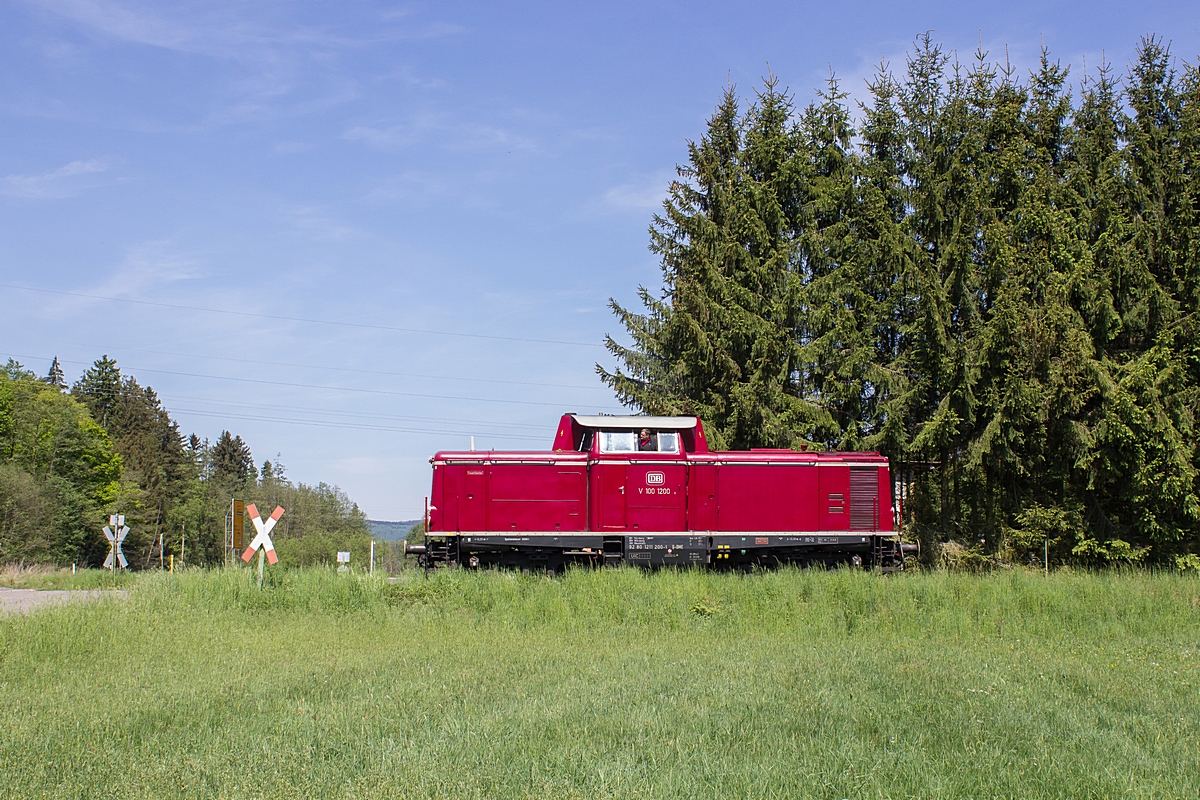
(991,282)
(232,463)
(716,342)
(55,376)
(99,389)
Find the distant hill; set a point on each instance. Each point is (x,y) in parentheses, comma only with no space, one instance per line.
(391,531)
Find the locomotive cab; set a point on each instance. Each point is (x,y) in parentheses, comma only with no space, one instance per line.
(613,434)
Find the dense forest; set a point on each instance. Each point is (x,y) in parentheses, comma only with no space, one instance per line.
(992,278)
(69,457)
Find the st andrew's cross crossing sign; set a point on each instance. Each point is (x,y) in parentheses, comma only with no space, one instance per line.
(263,538)
(115,535)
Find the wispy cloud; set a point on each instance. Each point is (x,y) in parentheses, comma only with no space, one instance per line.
(422,189)
(410,77)
(644,195)
(316,224)
(273,60)
(150,266)
(230,30)
(389,136)
(148,269)
(291,148)
(66,181)
(447,133)
(125,23)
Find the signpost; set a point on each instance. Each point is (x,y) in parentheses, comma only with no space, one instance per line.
(343,558)
(115,535)
(234,526)
(262,541)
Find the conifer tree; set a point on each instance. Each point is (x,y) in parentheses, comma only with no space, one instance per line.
(55,376)
(232,463)
(717,342)
(992,282)
(99,388)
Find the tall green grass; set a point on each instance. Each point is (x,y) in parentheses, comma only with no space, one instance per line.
(41,577)
(613,683)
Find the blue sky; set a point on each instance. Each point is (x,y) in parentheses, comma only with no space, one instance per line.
(458,187)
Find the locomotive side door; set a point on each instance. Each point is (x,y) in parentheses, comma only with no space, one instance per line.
(472,499)
(608,495)
(702,496)
(833,498)
(452,480)
(656,496)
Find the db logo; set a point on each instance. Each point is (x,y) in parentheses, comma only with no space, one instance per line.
(655,479)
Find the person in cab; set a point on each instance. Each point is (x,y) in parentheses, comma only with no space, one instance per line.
(647,440)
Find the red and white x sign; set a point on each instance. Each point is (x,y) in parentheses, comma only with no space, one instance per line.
(263,538)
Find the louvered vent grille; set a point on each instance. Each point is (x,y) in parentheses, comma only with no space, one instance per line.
(864,498)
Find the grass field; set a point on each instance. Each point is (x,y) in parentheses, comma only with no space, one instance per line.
(36,577)
(610,683)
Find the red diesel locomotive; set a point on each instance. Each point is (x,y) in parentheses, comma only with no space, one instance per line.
(647,491)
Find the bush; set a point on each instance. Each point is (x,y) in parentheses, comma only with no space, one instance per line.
(320,548)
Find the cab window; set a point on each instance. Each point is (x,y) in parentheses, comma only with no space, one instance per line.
(618,442)
(657,441)
(668,442)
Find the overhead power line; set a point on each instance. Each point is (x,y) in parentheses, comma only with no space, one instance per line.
(336,369)
(356,389)
(309,320)
(360,427)
(352,415)
(358,421)
(516,435)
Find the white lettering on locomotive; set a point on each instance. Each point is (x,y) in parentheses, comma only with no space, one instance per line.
(655,479)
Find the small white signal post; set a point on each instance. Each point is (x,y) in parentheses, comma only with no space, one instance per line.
(115,532)
(262,539)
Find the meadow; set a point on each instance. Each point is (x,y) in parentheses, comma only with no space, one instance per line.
(613,683)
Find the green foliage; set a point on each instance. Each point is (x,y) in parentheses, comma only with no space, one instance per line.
(719,347)
(41,577)
(992,281)
(231,462)
(1113,551)
(69,460)
(55,375)
(58,473)
(1042,530)
(318,520)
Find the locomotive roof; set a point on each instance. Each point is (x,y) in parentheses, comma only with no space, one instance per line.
(635,422)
